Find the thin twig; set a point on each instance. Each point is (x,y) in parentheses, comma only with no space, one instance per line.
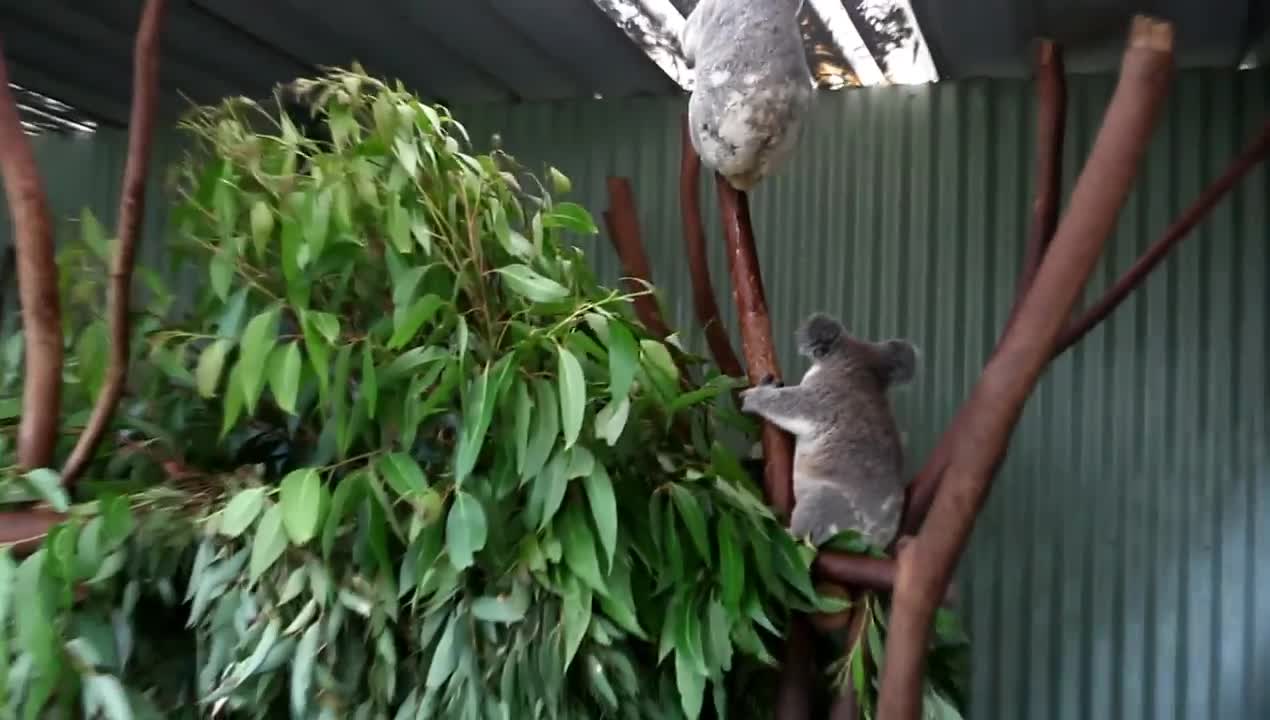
(37,286)
(703,299)
(145,100)
(926,563)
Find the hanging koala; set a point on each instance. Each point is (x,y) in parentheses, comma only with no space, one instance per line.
(848,461)
(752,85)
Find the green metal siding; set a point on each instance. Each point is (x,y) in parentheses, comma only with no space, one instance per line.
(1114,573)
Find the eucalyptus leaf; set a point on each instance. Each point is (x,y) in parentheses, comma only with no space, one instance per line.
(242,511)
(210,364)
(285,376)
(299,496)
(546,428)
(465,530)
(48,483)
(403,474)
(623,360)
(269,542)
(524,281)
(572,395)
(257,342)
(599,491)
(302,669)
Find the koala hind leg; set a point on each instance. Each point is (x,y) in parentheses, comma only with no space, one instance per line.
(824,509)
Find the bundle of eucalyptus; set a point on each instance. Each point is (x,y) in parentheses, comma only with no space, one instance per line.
(457,478)
(400,455)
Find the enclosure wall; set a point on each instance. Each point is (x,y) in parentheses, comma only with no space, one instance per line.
(1115,572)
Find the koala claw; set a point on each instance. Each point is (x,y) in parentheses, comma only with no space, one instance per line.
(770,379)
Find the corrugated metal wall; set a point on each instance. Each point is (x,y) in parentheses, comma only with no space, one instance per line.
(1115,571)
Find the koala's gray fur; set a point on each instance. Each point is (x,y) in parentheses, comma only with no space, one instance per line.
(848,460)
(752,85)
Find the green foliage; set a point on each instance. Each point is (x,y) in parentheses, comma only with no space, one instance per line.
(431,467)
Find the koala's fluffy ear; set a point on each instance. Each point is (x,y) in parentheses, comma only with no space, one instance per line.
(899,361)
(819,333)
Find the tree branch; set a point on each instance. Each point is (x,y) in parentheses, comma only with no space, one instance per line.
(703,299)
(926,563)
(1252,155)
(847,706)
(797,667)
(756,339)
(922,488)
(23,531)
(1051,116)
(145,99)
(37,286)
(1051,105)
(623,226)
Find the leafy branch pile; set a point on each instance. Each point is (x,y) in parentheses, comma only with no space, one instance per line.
(403,457)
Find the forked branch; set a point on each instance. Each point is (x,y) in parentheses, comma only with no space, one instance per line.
(982,436)
(145,100)
(37,286)
(922,489)
(1051,113)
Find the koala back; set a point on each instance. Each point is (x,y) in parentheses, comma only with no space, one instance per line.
(857,452)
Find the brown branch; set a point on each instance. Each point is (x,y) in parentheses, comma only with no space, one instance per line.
(22,531)
(1051,116)
(926,563)
(847,706)
(1051,102)
(922,488)
(756,339)
(37,286)
(797,668)
(1251,156)
(862,571)
(145,98)
(623,225)
(703,299)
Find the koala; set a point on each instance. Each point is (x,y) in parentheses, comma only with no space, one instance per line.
(752,85)
(848,459)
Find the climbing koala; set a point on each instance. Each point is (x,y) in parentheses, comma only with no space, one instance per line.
(848,460)
(752,85)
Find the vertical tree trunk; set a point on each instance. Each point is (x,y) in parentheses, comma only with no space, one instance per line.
(37,286)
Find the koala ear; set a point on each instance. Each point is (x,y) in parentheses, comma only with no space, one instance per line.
(899,361)
(819,333)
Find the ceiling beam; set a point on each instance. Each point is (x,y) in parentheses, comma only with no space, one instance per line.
(654,26)
(848,41)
